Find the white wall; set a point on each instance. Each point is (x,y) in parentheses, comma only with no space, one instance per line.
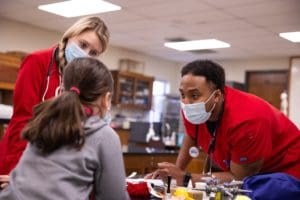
(22,37)
(159,68)
(235,70)
(16,36)
(294,100)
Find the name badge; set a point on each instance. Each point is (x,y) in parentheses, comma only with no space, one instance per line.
(194,152)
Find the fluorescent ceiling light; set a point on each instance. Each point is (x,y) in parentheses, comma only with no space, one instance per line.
(291,36)
(75,8)
(197,45)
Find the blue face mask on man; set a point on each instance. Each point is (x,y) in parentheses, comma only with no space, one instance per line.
(74,51)
(196,113)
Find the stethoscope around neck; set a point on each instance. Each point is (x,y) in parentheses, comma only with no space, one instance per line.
(59,88)
(194,150)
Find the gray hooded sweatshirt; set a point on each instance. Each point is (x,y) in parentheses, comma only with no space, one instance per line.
(70,174)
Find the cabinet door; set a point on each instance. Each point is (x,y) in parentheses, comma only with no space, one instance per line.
(142,93)
(132,90)
(126,90)
(9,67)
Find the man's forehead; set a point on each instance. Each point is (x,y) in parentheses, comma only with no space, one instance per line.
(193,78)
(190,82)
(189,89)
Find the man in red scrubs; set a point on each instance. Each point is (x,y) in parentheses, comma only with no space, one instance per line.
(243,134)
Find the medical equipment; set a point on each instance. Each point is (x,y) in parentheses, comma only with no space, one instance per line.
(58,89)
(222,191)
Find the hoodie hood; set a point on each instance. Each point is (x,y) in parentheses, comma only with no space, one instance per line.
(93,123)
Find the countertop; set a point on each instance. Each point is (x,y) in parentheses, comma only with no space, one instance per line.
(4,121)
(132,150)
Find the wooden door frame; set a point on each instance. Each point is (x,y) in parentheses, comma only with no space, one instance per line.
(289,81)
(248,73)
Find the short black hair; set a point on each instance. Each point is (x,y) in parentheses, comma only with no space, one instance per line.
(212,71)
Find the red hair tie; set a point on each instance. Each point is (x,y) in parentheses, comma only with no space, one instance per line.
(88,111)
(76,90)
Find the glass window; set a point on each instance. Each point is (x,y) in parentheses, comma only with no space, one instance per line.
(160,88)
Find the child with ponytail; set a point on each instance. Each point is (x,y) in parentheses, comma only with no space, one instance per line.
(40,78)
(72,150)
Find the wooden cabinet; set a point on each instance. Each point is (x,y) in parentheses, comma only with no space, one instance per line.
(146,163)
(123,135)
(132,90)
(9,67)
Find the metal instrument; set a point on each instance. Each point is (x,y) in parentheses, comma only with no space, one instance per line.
(222,191)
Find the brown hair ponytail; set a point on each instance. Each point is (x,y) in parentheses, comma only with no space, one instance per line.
(56,122)
(59,121)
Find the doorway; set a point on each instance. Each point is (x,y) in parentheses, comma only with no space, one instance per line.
(267,85)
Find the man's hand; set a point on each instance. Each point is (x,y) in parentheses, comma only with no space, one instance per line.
(4,180)
(165,169)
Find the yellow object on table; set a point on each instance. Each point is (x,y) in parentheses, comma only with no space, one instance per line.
(182,192)
(186,194)
(242,197)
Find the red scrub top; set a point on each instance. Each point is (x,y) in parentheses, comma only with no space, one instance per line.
(29,90)
(250,130)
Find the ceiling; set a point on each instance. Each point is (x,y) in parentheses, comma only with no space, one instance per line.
(250,26)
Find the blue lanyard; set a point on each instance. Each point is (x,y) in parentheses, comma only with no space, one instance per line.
(211,150)
(212,143)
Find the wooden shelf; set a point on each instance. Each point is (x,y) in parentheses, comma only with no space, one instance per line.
(10,60)
(136,83)
(126,94)
(7,86)
(146,163)
(9,67)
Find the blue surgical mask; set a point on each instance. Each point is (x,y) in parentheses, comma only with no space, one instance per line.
(196,113)
(74,51)
(107,117)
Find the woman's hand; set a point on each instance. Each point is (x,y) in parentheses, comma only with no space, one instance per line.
(4,180)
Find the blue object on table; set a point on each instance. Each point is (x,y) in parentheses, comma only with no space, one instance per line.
(272,186)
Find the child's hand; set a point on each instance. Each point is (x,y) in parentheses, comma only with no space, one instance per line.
(4,181)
